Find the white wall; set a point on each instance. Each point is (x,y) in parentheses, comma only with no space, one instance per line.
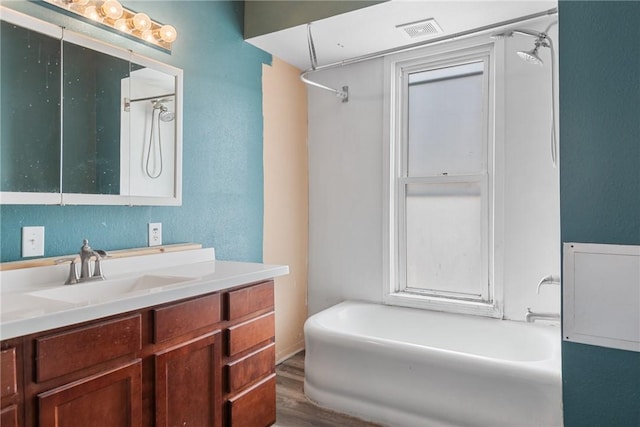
(345,184)
(346,197)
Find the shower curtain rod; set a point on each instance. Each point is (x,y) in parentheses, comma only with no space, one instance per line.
(343,94)
(151,97)
(128,102)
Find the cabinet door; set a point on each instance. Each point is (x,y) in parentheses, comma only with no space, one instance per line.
(9,416)
(8,373)
(188,383)
(109,399)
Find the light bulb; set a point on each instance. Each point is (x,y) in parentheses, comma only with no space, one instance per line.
(92,13)
(112,9)
(141,21)
(167,34)
(148,36)
(121,24)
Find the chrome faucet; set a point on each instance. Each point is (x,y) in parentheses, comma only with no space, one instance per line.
(86,253)
(531,317)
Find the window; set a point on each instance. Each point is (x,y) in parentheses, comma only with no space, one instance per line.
(441,181)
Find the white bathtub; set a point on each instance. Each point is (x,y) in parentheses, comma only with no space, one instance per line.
(416,368)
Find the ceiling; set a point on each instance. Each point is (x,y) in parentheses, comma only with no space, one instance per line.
(373,29)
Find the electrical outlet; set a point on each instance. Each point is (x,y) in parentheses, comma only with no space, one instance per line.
(155,233)
(32,241)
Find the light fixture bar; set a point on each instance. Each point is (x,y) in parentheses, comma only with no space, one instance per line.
(112,14)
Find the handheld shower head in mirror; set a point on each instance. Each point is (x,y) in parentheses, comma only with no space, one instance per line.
(165,114)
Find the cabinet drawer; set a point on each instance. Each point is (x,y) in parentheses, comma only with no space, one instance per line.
(249,300)
(73,350)
(182,318)
(250,368)
(8,373)
(256,407)
(250,333)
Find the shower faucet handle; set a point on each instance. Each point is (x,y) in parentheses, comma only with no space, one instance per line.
(548,280)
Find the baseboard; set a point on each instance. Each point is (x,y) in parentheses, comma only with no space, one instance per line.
(283,355)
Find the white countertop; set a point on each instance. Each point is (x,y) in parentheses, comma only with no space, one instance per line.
(23,313)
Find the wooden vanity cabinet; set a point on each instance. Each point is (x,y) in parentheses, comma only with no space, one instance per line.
(250,386)
(11,384)
(207,361)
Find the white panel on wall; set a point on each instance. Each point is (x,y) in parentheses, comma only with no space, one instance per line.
(601,298)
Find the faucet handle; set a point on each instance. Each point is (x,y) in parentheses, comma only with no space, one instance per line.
(73,278)
(97,267)
(548,280)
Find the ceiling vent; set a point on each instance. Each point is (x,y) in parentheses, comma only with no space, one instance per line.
(420,29)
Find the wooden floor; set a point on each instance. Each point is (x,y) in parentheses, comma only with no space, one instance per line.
(293,408)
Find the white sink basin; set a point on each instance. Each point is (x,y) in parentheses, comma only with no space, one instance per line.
(99,291)
(24,305)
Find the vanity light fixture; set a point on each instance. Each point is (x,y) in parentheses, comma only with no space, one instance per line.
(113,15)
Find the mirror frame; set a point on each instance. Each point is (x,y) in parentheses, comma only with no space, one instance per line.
(62,198)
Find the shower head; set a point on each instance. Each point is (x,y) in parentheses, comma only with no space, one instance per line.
(531,56)
(166,115)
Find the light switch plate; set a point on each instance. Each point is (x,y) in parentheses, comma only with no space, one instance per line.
(155,233)
(32,241)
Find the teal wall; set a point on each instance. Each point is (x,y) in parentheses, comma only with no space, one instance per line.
(223,176)
(600,185)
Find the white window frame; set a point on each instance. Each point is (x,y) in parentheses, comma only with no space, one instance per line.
(397,68)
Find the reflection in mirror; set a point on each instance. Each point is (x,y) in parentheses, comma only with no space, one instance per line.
(30,85)
(91,151)
(115,139)
(149,145)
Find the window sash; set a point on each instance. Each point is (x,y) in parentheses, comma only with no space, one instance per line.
(402,180)
(484,293)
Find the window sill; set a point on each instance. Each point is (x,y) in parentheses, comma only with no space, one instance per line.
(444,304)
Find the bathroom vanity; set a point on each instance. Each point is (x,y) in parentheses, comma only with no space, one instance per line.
(203,356)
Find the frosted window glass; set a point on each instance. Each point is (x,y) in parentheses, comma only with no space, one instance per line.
(445,121)
(443,241)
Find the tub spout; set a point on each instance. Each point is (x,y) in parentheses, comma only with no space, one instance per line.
(531,316)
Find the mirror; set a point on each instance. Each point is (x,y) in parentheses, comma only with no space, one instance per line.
(103,126)
(30,154)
